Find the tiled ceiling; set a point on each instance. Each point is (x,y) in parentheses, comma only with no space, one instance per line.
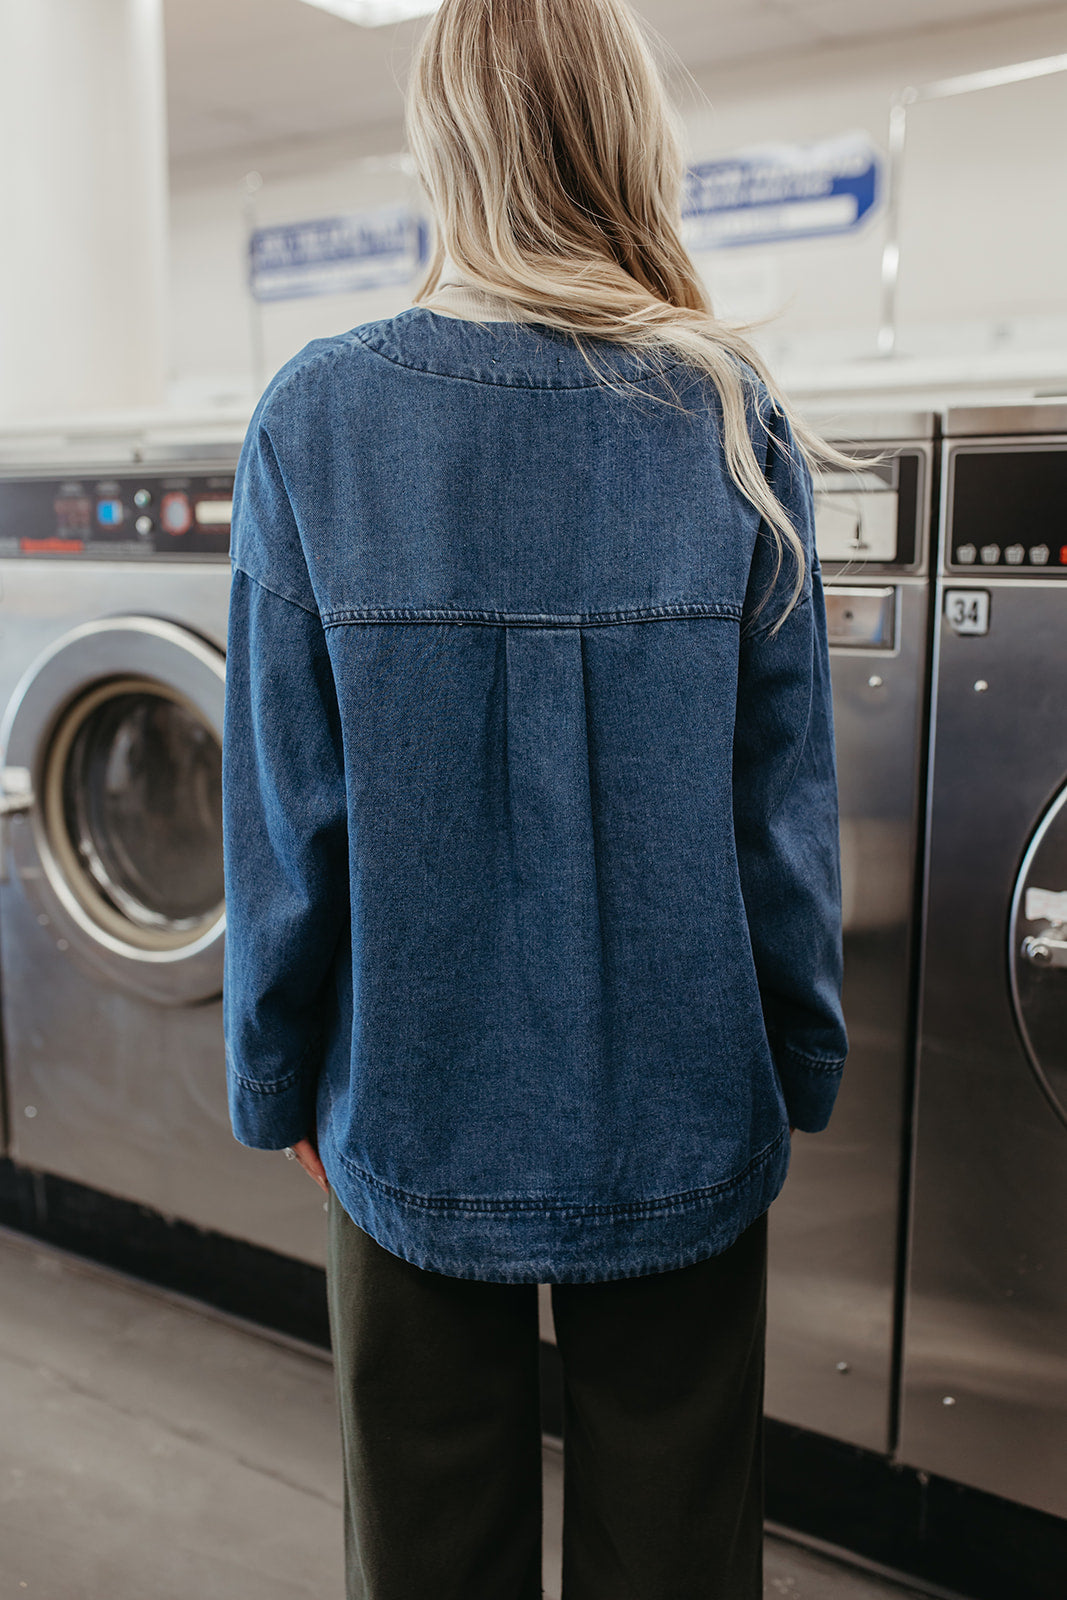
(245,74)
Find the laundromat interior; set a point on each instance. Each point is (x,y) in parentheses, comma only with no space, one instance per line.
(192,191)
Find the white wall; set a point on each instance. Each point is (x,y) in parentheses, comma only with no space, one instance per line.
(983,225)
(983,282)
(215,323)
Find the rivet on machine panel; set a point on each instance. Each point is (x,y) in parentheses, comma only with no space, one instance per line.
(43,919)
(874,681)
(981,686)
(948,1399)
(30,1111)
(843,1367)
(61,944)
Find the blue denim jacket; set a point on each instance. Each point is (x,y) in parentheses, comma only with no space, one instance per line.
(531,838)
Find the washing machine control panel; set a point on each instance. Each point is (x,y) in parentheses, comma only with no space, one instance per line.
(1008,509)
(128,517)
(871,518)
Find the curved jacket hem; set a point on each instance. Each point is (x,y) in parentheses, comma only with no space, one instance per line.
(560,1243)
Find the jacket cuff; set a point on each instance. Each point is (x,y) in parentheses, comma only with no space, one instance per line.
(808,1086)
(269,1116)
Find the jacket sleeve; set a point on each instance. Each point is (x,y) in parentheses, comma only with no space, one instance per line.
(284,816)
(786,807)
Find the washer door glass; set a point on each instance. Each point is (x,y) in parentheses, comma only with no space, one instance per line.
(133,811)
(1038,953)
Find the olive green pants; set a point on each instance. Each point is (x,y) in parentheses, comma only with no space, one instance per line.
(438,1394)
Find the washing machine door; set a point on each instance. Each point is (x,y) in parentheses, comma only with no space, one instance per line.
(113,783)
(1037,953)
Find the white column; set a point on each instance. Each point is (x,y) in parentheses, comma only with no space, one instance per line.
(83,207)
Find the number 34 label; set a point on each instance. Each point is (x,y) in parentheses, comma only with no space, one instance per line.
(967,610)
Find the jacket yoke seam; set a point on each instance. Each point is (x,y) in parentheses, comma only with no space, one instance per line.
(726,610)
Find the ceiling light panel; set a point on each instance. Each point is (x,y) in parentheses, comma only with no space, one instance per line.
(375,13)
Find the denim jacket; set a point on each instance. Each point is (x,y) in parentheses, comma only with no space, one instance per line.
(530,823)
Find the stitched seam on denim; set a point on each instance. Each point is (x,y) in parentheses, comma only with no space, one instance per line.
(725,609)
(275,592)
(633,1208)
(278,1087)
(500,383)
(545,1265)
(811,1063)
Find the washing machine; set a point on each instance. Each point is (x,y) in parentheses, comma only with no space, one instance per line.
(835,1240)
(114,588)
(835,1230)
(984,1376)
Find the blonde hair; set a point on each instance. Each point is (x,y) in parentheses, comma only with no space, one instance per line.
(542,133)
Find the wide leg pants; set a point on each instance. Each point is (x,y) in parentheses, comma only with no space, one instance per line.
(438,1394)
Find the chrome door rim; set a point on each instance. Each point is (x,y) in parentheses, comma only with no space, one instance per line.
(1050,817)
(161,657)
(103,916)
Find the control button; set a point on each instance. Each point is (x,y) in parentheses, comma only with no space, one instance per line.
(143,525)
(990,554)
(109,513)
(175,513)
(142,498)
(1063,555)
(966,555)
(1039,555)
(1013,555)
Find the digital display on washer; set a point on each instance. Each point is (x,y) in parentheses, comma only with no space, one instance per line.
(73,513)
(213,513)
(131,517)
(1007,509)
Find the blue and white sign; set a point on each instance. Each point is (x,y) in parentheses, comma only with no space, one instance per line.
(336,255)
(774,192)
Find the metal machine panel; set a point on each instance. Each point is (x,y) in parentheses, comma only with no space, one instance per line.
(984,1377)
(1014,418)
(112,1013)
(835,1230)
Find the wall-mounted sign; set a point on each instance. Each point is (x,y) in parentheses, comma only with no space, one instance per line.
(772,192)
(336,255)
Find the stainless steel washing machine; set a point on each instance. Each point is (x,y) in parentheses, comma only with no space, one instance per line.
(835,1229)
(984,1384)
(114,589)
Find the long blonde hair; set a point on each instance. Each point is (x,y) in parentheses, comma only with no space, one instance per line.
(542,133)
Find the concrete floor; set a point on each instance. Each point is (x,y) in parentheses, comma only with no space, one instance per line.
(151,1449)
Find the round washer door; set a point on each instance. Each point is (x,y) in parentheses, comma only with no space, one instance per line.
(115,735)
(1037,952)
